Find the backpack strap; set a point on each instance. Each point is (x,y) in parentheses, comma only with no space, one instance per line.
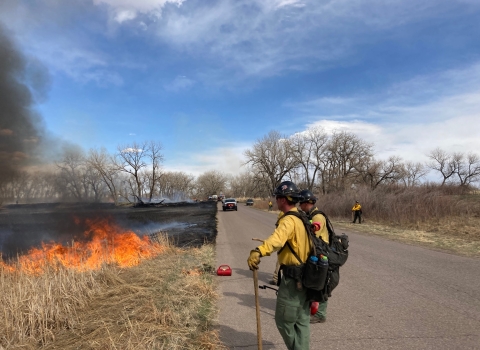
(286,243)
(307,225)
(294,253)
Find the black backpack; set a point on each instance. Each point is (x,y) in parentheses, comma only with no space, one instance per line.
(320,281)
(337,252)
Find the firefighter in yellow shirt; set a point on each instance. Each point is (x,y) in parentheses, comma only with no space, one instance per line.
(292,311)
(307,204)
(357,211)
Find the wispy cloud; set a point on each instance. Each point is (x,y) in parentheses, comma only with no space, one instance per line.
(180,83)
(126,10)
(265,38)
(406,120)
(296,3)
(241,39)
(226,159)
(81,65)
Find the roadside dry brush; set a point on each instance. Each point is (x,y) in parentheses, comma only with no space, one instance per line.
(164,303)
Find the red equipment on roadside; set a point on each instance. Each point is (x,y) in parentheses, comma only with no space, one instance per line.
(224,270)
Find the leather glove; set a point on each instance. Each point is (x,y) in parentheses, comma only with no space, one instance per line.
(253,260)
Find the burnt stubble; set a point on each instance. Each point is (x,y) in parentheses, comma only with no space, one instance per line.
(23,227)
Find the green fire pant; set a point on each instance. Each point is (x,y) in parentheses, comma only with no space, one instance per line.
(322,310)
(292,315)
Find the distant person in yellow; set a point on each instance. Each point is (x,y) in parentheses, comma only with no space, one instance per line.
(270,205)
(357,211)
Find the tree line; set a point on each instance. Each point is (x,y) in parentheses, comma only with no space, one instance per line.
(314,159)
(334,162)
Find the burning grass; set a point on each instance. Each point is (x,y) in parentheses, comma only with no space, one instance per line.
(104,243)
(165,302)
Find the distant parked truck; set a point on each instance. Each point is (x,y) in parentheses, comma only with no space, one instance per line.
(213,197)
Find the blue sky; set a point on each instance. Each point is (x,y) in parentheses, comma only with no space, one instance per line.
(209,78)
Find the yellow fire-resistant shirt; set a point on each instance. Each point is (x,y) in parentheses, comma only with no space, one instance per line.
(323,232)
(356,207)
(290,229)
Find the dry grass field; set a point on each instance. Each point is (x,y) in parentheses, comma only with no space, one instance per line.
(108,288)
(167,302)
(435,217)
(460,236)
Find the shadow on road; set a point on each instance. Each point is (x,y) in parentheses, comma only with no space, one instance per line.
(267,301)
(245,340)
(262,276)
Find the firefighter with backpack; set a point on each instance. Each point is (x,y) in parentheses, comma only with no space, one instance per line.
(307,205)
(292,311)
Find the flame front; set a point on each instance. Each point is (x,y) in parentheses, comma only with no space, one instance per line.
(109,244)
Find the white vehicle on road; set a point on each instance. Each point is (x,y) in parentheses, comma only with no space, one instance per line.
(229,204)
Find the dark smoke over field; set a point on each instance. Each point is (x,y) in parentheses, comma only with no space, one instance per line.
(20,132)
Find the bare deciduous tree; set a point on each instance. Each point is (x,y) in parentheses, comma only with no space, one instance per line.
(271,157)
(143,163)
(346,156)
(210,183)
(72,169)
(246,184)
(468,168)
(442,162)
(176,185)
(21,185)
(43,184)
(104,164)
(381,172)
(93,183)
(413,172)
(131,160)
(308,150)
(156,158)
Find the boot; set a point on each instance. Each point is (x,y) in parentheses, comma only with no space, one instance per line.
(315,319)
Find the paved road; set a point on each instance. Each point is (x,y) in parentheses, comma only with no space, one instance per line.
(391,295)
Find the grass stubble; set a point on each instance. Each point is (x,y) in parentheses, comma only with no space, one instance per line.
(168,302)
(458,236)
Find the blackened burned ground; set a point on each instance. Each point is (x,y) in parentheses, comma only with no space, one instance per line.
(25,226)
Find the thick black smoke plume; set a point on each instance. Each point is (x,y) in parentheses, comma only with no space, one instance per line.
(20,125)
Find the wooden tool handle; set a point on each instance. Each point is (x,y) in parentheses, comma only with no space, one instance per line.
(257,307)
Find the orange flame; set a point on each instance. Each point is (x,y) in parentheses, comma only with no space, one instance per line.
(109,244)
